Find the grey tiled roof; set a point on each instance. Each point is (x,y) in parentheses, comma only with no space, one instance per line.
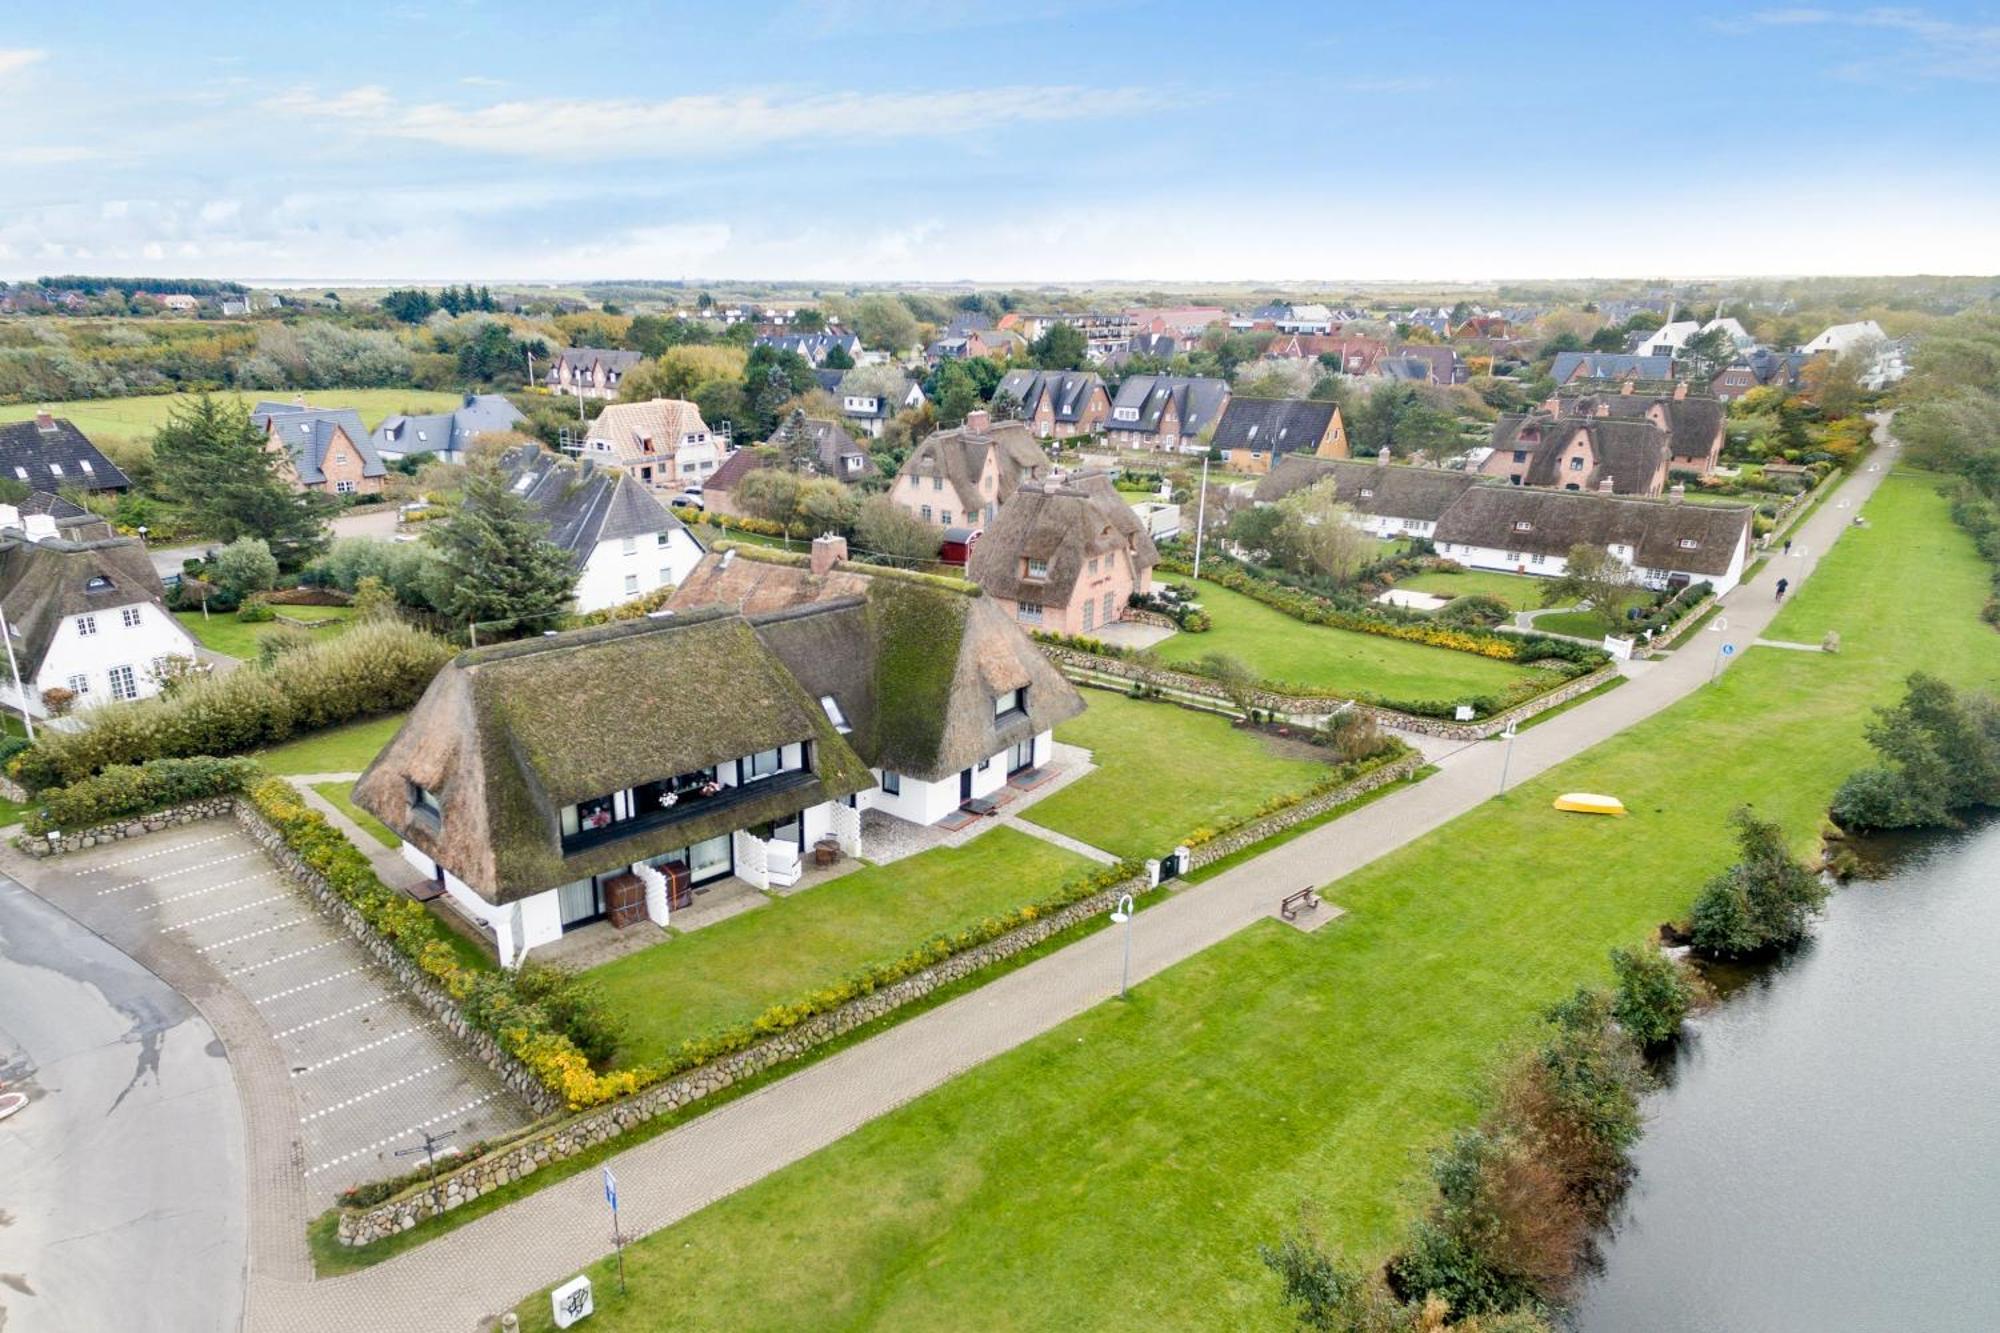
(453,431)
(584,505)
(309,434)
(1198,400)
(31,455)
(1274,425)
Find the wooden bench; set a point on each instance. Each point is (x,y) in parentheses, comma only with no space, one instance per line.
(1305,900)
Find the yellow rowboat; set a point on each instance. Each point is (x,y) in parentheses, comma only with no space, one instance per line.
(1585,803)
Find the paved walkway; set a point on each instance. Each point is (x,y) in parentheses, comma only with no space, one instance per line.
(474,1272)
(1063,840)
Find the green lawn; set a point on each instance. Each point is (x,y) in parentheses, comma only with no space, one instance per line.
(222,632)
(1280,648)
(127,419)
(1519,591)
(733,970)
(338,793)
(1121,1170)
(1582,624)
(346,749)
(1163,772)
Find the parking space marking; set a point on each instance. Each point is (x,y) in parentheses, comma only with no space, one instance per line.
(158,903)
(169,874)
(232,911)
(283,957)
(358,1098)
(354,1009)
(361,1050)
(294,990)
(152,856)
(380,1144)
(238,939)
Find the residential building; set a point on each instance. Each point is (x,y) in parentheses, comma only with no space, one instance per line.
(1617,456)
(621,540)
(1694,424)
(323,448)
(86,616)
(1181,321)
(1253,432)
(48,453)
(663,442)
(718,492)
(779,712)
(1887,358)
(1665,544)
(1165,412)
(1351,355)
(1057,404)
(1065,556)
(1482,327)
(73,522)
(966,474)
(1569,367)
(446,435)
(1387,499)
(868,404)
(1422,363)
(1666,340)
(180,303)
(814,347)
(589,372)
(996,343)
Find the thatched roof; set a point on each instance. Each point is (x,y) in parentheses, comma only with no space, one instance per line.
(1542,522)
(1633,453)
(959,456)
(43,583)
(1387,490)
(1062,525)
(1693,423)
(508,736)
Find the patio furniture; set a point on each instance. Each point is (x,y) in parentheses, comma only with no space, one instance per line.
(624,900)
(825,852)
(1305,900)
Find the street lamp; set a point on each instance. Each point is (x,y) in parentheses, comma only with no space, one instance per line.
(1507,756)
(1121,915)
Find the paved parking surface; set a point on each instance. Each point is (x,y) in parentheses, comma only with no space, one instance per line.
(370,1070)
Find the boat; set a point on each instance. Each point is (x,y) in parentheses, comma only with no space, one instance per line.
(1589,803)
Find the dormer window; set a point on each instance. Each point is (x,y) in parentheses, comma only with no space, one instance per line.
(97,583)
(831,706)
(1689,544)
(1523,525)
(1367,494)
(1038,569)
(424,804)
(1013,701)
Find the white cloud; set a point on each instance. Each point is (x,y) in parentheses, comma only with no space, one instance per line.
(1934,47)
(17,58)
(220,210)
(44,155)
(612,128)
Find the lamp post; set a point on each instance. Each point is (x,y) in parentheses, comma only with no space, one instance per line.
(14,669)
(1200,514)
(1507,755)
(1121,915)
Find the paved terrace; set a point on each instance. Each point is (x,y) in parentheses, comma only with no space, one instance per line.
(486,1266)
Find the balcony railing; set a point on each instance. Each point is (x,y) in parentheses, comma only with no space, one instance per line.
(690,805)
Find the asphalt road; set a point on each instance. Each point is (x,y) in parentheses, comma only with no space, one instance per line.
(121,1182)
(373,521)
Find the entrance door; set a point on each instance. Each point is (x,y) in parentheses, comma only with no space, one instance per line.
(965,785)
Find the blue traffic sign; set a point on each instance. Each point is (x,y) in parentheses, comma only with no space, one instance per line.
(1728,650)
(611,1189)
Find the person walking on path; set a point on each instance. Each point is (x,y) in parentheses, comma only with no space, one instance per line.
(1788,546)
(1782,585)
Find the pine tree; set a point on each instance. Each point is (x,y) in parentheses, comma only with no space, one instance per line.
(504,573)
(215,467)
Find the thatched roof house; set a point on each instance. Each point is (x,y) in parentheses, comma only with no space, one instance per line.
(967,473)
(1387,497)
(1514,527)
(1059,547)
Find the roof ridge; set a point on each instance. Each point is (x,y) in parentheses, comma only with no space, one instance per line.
(590,636)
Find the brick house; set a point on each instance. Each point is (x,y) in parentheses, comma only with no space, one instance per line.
(1165,411)
(1255,432)
(1057,404)
(324,449)
(963,476)
(663,442)
(1065,556)
(589,372)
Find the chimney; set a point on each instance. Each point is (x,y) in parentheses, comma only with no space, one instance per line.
(978,422)
(40,527)
(1677,492)
(44,420)
(1382,457)
(828,550)
(1604,485)
(1680,390)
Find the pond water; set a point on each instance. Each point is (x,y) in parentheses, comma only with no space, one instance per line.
(1826,1154)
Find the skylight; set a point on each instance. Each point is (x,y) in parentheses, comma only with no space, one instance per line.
(833,713)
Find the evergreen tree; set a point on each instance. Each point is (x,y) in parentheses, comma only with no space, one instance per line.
(504,573)
(214,466)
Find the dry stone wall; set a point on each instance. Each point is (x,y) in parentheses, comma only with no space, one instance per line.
(135,826)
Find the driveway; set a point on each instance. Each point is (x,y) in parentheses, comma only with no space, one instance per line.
(368,1069)
(122,1182)
(371,521)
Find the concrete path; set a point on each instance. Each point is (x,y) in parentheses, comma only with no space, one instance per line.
(1063,840)
(1795,647)
(476,1271)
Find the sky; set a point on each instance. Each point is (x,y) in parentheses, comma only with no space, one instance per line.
(1011,141)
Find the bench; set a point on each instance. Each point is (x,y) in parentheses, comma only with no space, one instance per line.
(1305,900)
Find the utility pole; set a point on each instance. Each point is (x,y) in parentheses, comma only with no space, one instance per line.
(429,1149)
(1200,514)
(14,667)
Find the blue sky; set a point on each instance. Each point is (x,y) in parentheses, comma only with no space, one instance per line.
(850,140)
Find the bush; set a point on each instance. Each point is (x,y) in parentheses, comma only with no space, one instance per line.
(131,789)
(1763,902)
(370,669)
(1653,996)
(255,613)
(1475,610)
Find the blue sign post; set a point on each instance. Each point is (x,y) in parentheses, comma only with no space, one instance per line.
(1727,650)
(617,1240)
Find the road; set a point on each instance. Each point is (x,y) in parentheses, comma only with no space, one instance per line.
(373,521)
(121,1182)
(481,1268)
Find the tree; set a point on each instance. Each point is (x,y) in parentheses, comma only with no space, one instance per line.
(1762,902)
(808,320)
(884,323)
(502,570)
(1318,534)
(1941,755)
(217,469)
(1005,406)
(772,378)
(1234,675)
(769,493)
(1591,574)
(1707,354)
(1258,531)
(957,393)
(373,599)
(1653,995)
(883,527)
(837,358)
(245,566)
(1062,346)
(825,505)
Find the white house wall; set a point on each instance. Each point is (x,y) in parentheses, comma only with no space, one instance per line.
(649,566)
(73,653)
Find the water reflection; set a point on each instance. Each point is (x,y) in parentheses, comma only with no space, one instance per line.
(1827,1152)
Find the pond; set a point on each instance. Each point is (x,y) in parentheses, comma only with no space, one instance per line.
(1826,1154)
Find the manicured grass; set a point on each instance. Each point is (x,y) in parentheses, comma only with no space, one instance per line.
(346,749)
(116,419)
(1163,772)
(338,794)
(1121,1170)
(222,632)
(1519,591)
(1566,705)
(1280,648)
(1304,826)
(1581,624)
(732,971)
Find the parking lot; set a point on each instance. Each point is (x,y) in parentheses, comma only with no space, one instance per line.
(370,1069)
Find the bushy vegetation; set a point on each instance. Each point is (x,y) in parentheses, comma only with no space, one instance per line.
(1940,749)
(1765,901)
(131,789)
(1654,995)
(377,667)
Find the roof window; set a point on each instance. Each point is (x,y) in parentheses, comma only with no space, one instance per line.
(833,713)
(97,583)
(1523,525)
(1689,544)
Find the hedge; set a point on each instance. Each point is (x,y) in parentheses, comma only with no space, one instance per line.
(131,789)
(377,667)
(763,527)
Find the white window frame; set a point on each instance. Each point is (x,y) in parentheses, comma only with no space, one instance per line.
(124,682)
(130,616)
(79,685)
(631,585)
(343,488)
(86,626)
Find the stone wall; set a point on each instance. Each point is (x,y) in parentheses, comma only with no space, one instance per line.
(1672,633)
(133,826)
(510,1162)
(1074,660)
(413,979)
(14,791)
(1137,616)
